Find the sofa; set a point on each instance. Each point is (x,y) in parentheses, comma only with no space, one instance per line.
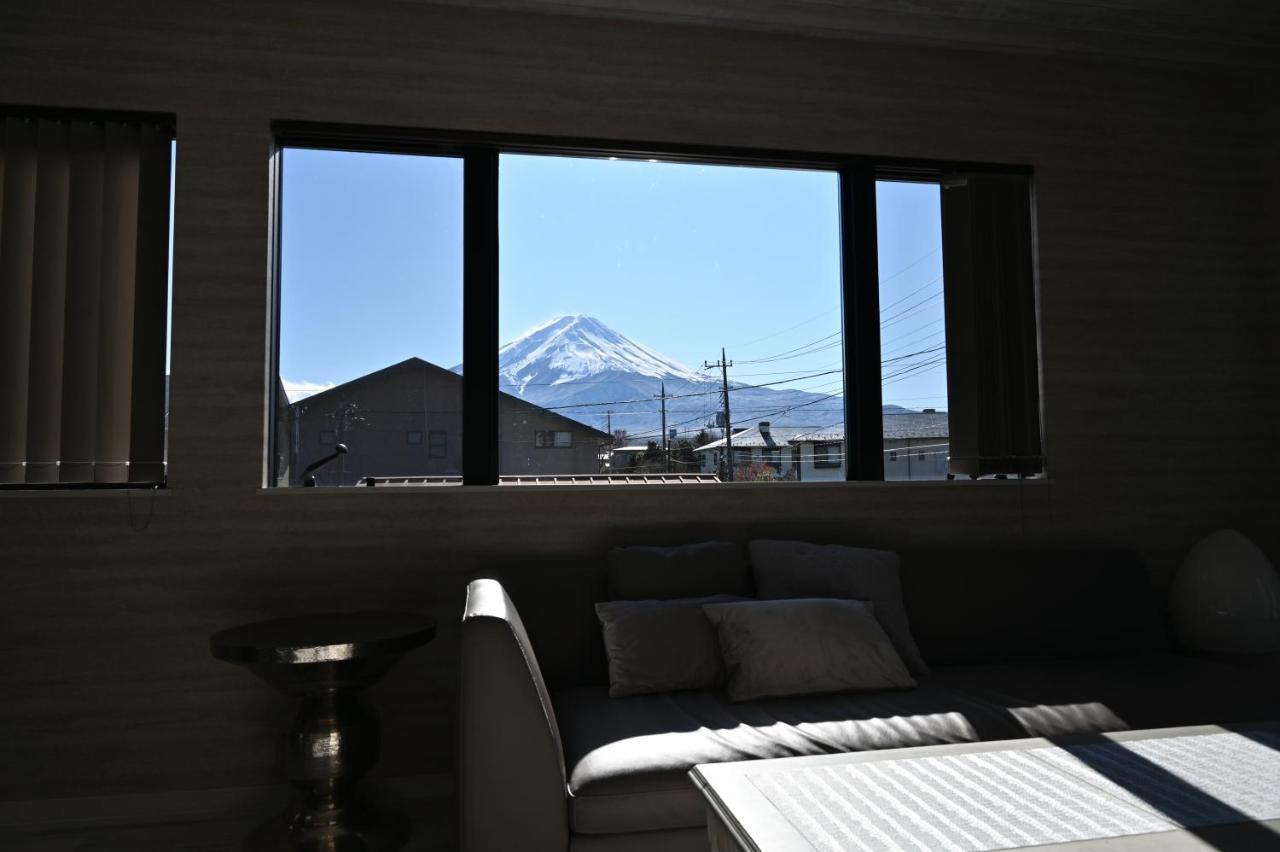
(1019,643)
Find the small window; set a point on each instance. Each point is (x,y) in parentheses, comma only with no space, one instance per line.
(552,439)
(826,455)
(414,437)
(893,455)
(438,444)
(920,455)
(327,438)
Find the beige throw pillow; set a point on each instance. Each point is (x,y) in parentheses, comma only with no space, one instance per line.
(804,645)
(797,569)
(660,646)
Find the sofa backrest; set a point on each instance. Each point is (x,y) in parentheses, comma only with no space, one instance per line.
(981,606)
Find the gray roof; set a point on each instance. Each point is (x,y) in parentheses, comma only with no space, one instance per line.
(897,426)
(777,436)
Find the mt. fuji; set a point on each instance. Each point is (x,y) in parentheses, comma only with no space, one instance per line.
(576,347)
(578,366)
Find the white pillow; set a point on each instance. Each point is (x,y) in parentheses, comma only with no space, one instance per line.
(797,569)
(803,646)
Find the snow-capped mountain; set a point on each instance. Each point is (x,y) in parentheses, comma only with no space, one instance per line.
(583,369)
(577,347)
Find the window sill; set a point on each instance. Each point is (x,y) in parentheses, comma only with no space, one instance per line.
(836,485)
(30,493)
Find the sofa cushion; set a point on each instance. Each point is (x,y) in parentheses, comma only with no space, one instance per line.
(797,569)
(660,646)
(997,606)
(684,571)
(804,646)
(628,758)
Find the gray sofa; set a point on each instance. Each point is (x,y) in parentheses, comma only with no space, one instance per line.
(1019,643)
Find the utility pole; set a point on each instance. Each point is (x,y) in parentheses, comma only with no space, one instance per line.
(666,442)
(724,366)
(609,419)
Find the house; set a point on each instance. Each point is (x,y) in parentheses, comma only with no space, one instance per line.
(406,421)
(1150,130)
(762,451)
(916,446)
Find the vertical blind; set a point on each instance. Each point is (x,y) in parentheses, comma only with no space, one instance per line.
(993,372)
(84,242)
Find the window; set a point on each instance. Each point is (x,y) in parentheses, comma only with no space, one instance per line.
(613,298)
(630,294)
(913,329)
(85,211)
(438,446)
(370,313)
(826,455)
(550,439)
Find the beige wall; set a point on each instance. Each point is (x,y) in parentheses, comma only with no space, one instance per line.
(1159,319)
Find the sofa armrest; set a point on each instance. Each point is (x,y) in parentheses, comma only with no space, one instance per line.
(511,776)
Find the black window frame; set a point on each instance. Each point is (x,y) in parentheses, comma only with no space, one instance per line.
(480,151)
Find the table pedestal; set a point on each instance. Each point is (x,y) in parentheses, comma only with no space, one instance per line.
(326,662)
(333,741)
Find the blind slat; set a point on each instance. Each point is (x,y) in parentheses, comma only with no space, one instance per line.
(115,329)
(84,279)
(17,232)
(147,428)
(48,302)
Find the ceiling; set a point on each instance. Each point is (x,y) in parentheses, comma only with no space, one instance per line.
(1231,33)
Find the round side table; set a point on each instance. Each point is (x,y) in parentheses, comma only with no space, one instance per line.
(326,661)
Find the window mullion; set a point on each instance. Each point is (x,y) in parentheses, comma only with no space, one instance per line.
(480,318)
(860,283)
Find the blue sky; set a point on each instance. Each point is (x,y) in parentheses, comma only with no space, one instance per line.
(682,258)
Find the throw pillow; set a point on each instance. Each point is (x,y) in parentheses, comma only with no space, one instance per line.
(803,646)
(797,569)
(660,646)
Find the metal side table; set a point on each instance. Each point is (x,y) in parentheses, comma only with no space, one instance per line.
(326,661)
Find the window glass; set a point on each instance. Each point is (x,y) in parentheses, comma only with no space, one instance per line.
(624,285)
(370,305)
(913,337)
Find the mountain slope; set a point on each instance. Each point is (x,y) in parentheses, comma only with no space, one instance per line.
(585,370)
(577,347)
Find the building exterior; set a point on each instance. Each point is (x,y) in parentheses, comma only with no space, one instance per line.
(760,452)
(406,421)
(916,446)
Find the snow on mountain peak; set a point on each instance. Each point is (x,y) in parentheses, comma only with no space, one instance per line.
(575,346)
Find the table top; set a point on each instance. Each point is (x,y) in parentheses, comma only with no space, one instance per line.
(323,638)
(1168,789)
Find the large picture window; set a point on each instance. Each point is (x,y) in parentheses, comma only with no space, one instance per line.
(652,314)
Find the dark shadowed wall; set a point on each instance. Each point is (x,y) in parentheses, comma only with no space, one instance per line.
(1158,297)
